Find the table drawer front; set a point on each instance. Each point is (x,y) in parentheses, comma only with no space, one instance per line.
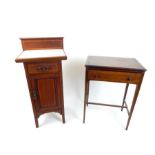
(114,76)
(42,68)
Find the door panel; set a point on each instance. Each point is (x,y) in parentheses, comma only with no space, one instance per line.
(46,92)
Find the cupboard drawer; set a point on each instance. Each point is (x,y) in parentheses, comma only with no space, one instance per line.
(42,68)
(114,76)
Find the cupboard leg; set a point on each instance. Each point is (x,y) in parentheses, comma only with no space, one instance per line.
(62,96)
(63,116)
(36,122)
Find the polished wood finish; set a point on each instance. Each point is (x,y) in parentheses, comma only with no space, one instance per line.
(36,68)
(111,76)
(42,43)
(44,77)
(113,69)
(118,63)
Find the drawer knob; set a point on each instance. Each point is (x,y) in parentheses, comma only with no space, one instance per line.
(129,78)
(43,68)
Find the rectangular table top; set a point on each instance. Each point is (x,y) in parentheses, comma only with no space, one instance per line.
(114,63)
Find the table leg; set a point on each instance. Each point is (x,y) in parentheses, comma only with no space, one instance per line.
(125,93)
(87,92)
(133,104)
(86,98)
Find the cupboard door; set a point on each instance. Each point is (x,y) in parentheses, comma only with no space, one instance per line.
(45,93)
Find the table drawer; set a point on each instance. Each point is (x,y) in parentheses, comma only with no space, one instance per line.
(114,76)
(36,68)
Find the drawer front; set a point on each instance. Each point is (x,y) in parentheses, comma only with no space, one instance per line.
(42,68)
(114,76)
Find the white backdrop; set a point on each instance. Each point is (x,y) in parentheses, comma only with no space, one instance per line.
(89,27)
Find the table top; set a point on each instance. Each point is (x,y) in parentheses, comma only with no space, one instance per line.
(34,55)
(114,63)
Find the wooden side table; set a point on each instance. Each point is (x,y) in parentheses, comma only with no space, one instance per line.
(42,62)
(112,69)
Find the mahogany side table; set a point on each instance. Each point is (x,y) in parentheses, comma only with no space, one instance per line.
(114,69)
(42,62)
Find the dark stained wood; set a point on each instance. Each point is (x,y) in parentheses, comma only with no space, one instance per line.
(133,103)
(111,69)
(42,43)
(111,76)
(36,68)
(36,115)
(125,93)
(46,90)
(114,63)
(86,96)
(109,105)
(60,93)
(44,78)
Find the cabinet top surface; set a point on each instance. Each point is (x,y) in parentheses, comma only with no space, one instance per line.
(114,63)
(36,55)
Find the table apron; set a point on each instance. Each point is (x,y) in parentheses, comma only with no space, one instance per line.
(115,76)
